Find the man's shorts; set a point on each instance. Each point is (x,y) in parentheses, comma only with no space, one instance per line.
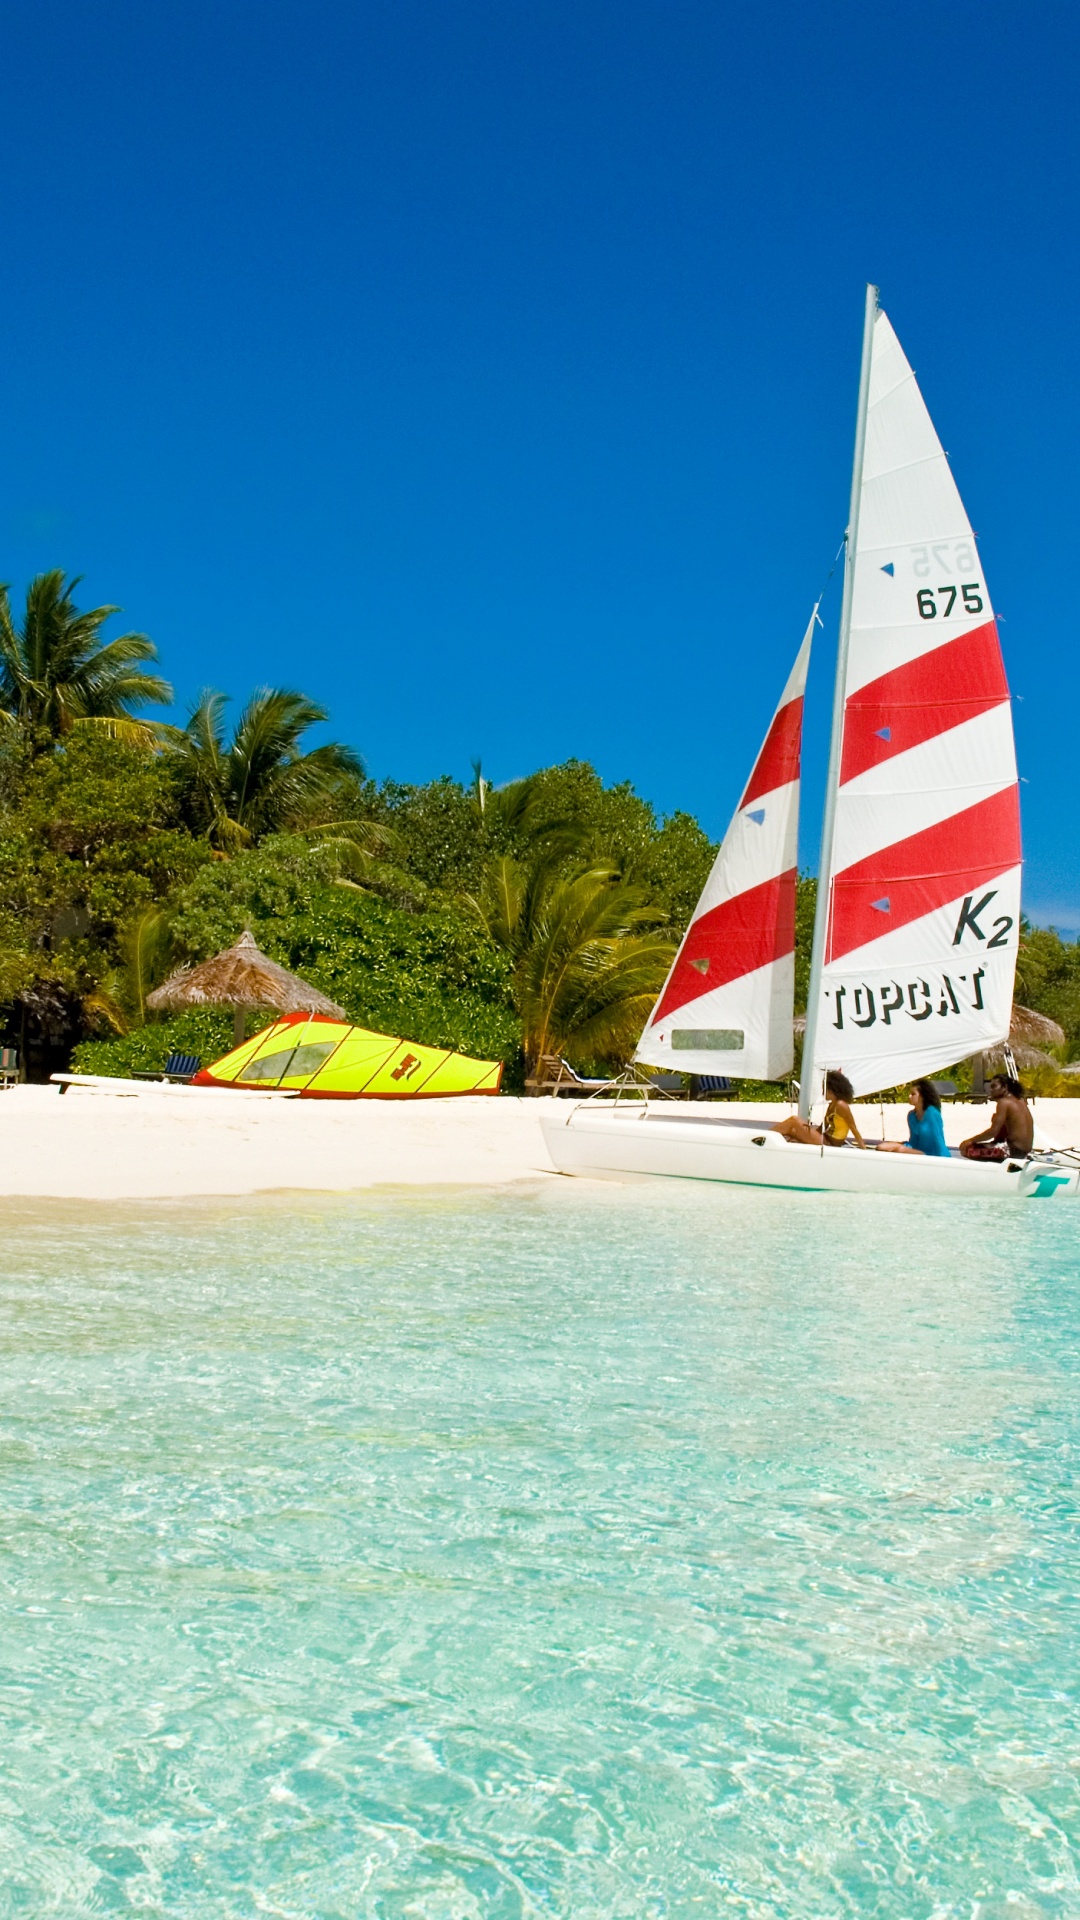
(986,1150)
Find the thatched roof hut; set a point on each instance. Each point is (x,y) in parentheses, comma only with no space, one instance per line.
(241,978)
(1031,1036)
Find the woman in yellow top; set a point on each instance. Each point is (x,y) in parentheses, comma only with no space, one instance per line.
(839,1120)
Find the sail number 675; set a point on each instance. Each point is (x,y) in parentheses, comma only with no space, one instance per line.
(928,606)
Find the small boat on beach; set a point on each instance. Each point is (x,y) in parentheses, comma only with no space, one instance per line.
(918,906)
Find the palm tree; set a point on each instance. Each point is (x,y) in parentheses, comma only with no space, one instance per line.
(56,672)
(518,817)
(263,780)
(146,950)
(513,810)
(589,958)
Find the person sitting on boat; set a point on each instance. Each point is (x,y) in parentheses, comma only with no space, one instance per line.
(926,1133)
(839,1120)
(1011,1133)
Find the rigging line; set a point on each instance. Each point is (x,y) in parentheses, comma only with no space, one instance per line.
(829,576)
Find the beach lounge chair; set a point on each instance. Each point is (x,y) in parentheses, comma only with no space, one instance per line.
(556,1075)
(671,1085)
(704,1085)
(179,1068)
(9,1066)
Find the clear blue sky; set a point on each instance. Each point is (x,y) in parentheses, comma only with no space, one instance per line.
(488,370)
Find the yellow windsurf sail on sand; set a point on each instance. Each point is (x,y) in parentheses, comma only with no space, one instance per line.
(324,1059)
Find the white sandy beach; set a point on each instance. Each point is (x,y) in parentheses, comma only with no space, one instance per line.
(173,1143)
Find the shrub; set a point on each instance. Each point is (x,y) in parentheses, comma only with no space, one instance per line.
(202,1030)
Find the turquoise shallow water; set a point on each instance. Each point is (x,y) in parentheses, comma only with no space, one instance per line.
(631,1552)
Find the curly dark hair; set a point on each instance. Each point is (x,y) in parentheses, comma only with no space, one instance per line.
(930,1095)
(839,1085)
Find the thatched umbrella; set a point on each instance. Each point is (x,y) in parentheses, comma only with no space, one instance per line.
(240,978)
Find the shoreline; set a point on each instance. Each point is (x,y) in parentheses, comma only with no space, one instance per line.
(193,1144)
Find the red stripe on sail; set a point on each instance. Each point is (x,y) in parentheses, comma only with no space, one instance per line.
(924,872)
(777,765)
(734,938)
(923,698)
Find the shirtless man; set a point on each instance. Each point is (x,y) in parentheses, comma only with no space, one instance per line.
(1011,1131)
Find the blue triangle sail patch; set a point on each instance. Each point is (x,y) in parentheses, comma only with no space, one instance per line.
(888,568)
(883,733)
(881,906)
(757,816)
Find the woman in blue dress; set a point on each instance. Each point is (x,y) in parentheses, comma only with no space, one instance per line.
(925,1131)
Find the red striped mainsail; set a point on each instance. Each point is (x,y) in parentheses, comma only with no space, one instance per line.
(727,1003)
(923,905)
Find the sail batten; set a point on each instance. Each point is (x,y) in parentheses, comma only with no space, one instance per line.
(922,903)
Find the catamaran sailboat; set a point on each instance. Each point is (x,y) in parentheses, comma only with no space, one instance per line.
(918,905)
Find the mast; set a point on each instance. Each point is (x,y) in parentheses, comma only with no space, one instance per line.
(821,915)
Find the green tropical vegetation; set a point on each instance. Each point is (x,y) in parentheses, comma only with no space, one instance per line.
(535,918)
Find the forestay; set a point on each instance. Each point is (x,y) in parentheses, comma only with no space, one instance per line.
(924,903)
(727,1003)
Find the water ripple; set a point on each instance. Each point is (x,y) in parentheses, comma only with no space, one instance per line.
(639,1553)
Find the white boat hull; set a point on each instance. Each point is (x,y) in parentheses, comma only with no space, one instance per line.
(623,1140)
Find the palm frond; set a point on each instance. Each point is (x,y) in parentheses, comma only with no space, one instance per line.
(151,735)
(375,838)
(589,956)
(104,1005)
(55,670)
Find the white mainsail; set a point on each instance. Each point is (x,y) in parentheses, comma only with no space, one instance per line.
(921,869)
(727,1003)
